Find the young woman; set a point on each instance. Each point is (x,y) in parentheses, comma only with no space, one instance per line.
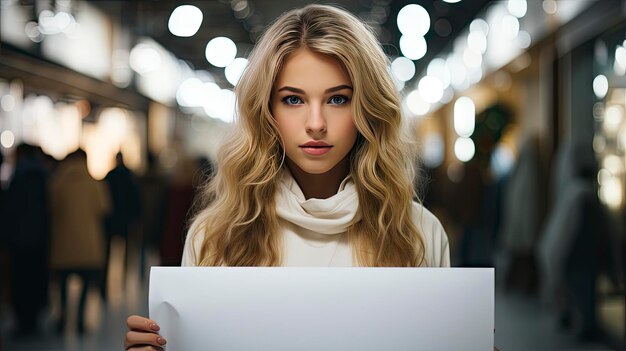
(316,172)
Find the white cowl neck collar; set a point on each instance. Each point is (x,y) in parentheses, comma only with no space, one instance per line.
(325,216)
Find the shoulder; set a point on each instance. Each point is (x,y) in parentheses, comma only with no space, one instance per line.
(193,244)
(437,251)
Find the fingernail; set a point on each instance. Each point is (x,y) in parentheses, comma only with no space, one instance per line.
(161,341)
(154,327)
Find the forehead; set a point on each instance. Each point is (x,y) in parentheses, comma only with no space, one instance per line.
(305,68)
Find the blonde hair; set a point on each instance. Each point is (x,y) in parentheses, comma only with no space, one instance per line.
(238,216)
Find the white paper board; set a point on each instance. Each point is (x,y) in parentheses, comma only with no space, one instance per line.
(229,308)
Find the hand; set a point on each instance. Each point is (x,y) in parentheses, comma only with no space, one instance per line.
(143,334)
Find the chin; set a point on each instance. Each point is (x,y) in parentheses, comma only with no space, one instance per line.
(314,169)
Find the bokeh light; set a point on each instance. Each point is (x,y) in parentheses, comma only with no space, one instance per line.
(235,69)
(464,149)
(403,68)
(413,19)
(413,47)
(220,51)
(185,21)
(464,116)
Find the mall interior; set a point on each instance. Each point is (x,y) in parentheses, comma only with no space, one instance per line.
(517,107)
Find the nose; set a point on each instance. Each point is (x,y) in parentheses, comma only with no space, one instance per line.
(316,121)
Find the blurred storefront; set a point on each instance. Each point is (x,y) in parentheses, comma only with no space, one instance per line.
(520,122)
(72,76)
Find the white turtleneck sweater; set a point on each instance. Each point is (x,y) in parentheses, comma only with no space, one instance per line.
(314,230)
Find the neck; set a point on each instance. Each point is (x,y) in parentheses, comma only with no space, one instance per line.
(320,186)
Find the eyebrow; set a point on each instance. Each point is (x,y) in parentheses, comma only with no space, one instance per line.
(329,90)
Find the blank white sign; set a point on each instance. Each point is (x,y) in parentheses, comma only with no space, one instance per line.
(360,309)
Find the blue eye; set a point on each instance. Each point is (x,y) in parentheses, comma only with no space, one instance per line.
(338,100)
(292,100)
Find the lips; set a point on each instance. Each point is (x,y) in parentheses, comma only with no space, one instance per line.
(316,144)
(316,147)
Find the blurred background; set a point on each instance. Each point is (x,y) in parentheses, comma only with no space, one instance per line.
(111,113)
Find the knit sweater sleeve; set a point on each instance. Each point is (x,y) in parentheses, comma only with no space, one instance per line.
(193,244)
(437,250)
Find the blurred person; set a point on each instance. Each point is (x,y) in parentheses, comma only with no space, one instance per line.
(575,247)
(27,230)
(180,196)
(79,205)
(4,252)
(474,199)
(125,211)
(50,163)
(153,190)
(3,236)
(521,220)
(466,205)
(4,249)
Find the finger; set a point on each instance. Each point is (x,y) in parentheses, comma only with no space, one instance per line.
(134,339)
(141,323)
(145,348)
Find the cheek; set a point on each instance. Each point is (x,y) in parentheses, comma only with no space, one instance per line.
(287,128)
(347,128)
(279,119)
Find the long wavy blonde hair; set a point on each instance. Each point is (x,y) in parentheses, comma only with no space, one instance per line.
(238,217)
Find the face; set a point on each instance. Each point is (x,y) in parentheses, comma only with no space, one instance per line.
(311,102)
